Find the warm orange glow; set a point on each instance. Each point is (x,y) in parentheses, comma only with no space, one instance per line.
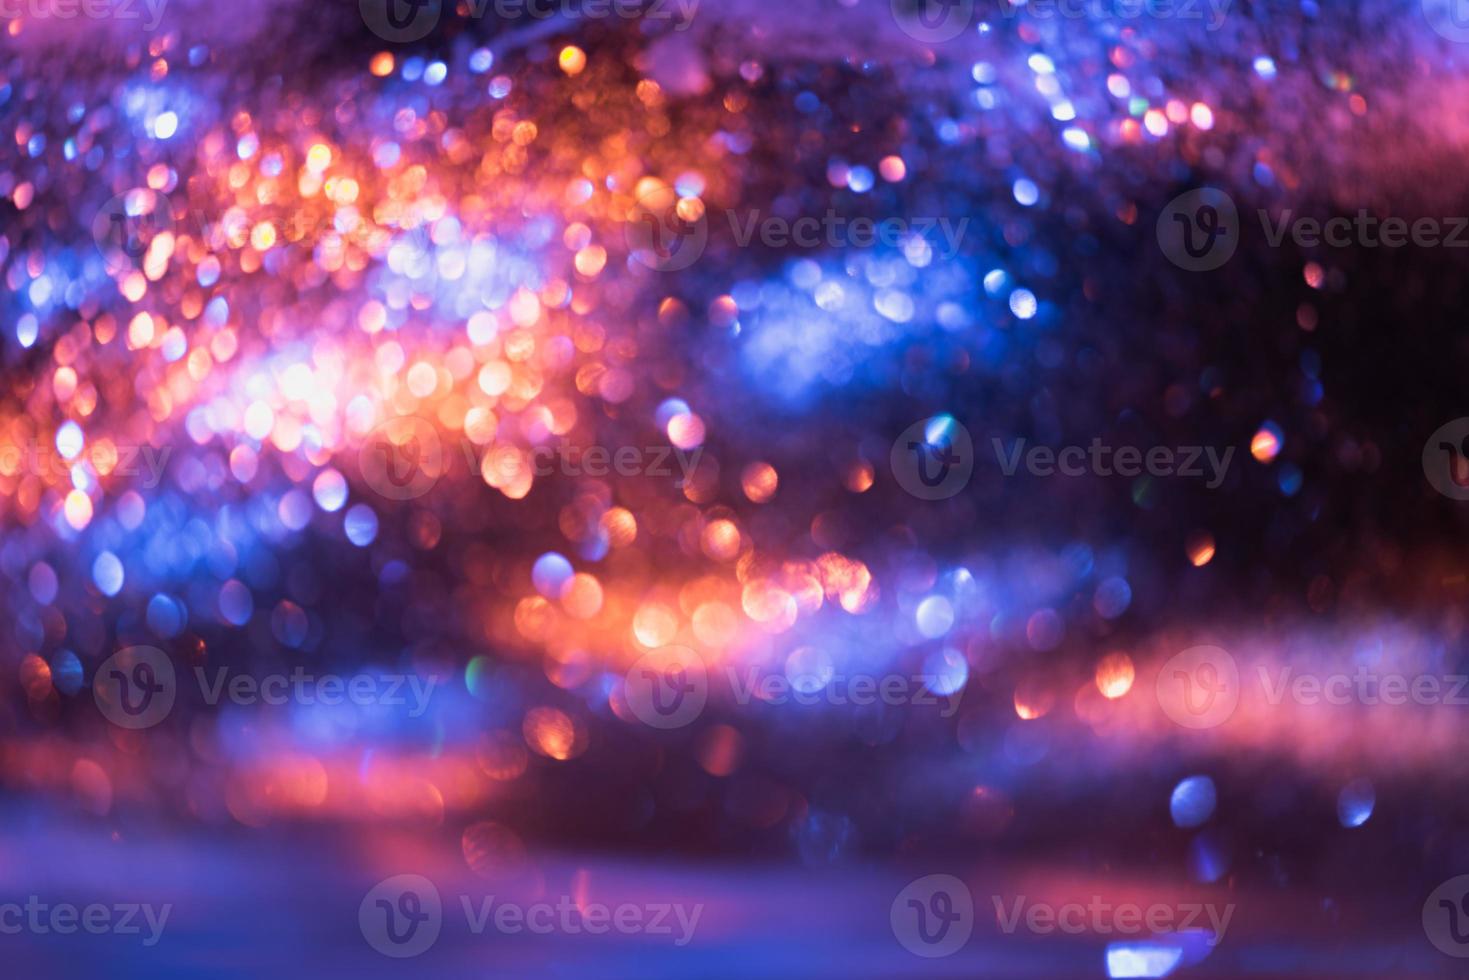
(1033,700)
(591,260)
(533,616)
(1115,675)
(78,509)
(1265,446)
(552,733)
(64,383)
(1200,548)
(573,60)
(621,527)
(686,431)
(859,477)
(759,481)
(140,331)
(654,625)
(582,596)
(847,581)
(721,540)
(422,379)
(35,677)
(318,158)
(770,606)
(715,624)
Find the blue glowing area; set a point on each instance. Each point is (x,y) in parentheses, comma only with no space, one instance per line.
(249,286)
(1356,802)
(457,274)
(1193,801)
(832,324)
(1141,960)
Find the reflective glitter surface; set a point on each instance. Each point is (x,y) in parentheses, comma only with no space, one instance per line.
(658,488)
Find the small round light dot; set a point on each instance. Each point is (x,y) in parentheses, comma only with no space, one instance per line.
(360,525)
(573,60)
(107,573)
(1267,442)
(759,482)
(330,490)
